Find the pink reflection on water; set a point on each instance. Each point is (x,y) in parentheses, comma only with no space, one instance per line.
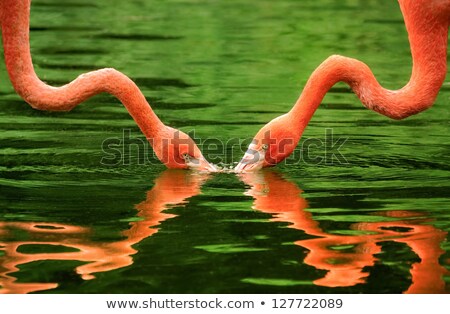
(171,188)
(346,257)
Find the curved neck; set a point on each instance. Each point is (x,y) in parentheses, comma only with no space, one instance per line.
(428,35)
(15,19)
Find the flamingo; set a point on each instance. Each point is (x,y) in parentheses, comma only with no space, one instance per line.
(427,23)
(173,147)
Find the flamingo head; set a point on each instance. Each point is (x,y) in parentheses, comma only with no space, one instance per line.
(271,145)
(177,150)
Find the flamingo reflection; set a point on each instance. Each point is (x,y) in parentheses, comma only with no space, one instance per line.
(346,257)
(171,188)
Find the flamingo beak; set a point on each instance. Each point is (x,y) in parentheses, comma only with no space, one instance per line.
(201,164)
(252,161)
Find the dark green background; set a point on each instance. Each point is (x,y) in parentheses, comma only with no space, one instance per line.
(223,68)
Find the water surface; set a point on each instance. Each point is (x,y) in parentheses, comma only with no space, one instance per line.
(376,221)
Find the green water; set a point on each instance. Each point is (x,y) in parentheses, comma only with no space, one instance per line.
(375,222)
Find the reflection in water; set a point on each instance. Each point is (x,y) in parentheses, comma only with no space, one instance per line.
(171,188)
(346,257)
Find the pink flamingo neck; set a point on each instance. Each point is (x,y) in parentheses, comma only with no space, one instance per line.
(428,35)
(15,20)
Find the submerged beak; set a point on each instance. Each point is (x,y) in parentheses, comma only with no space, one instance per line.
(201,164)
(252,161)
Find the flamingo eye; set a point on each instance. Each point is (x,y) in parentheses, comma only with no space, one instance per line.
(264,147)
(186,157)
